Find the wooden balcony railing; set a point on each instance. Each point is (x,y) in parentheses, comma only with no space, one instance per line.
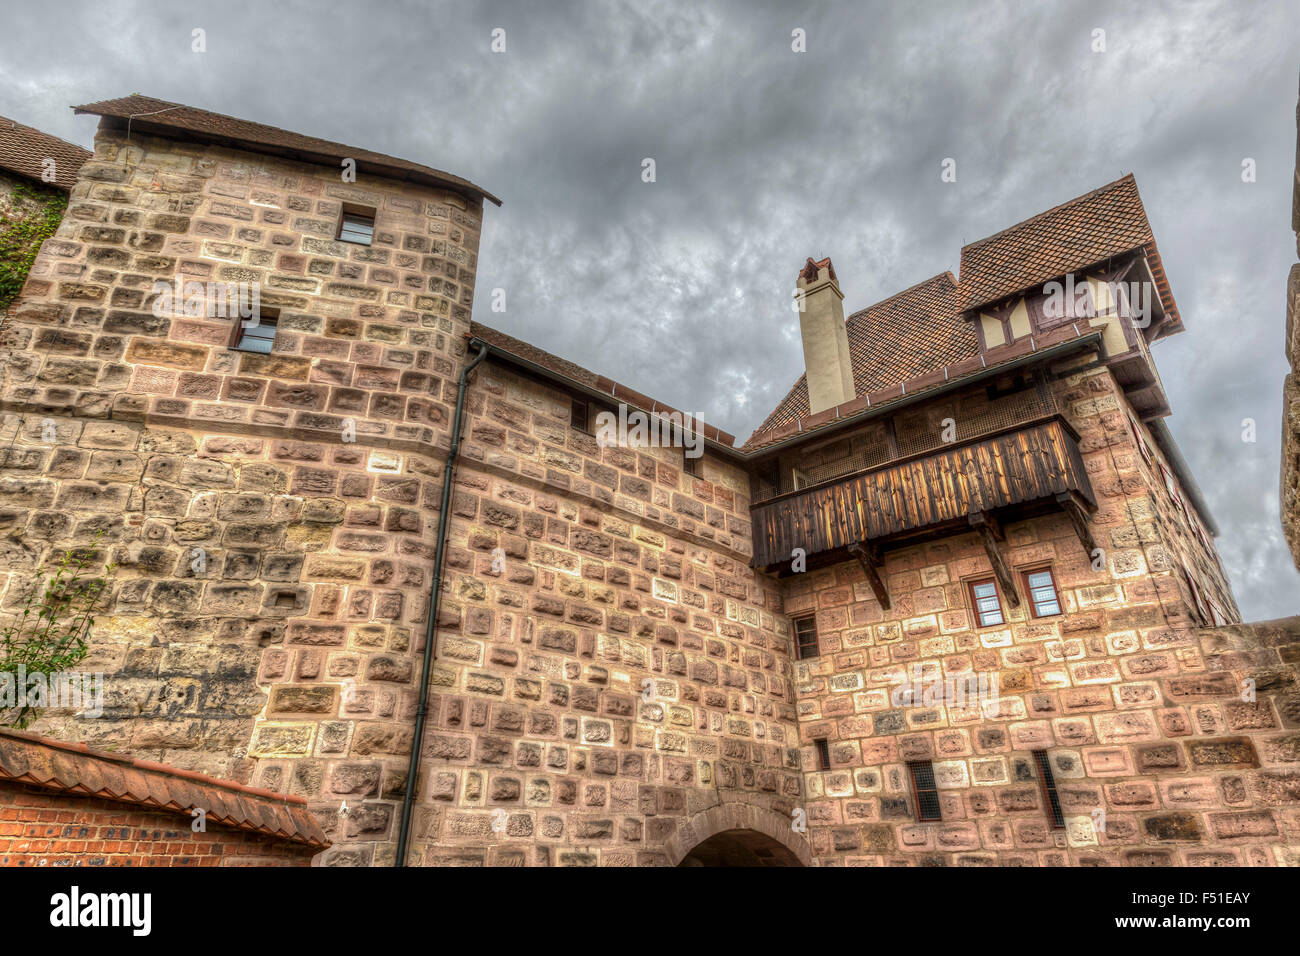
(958,484)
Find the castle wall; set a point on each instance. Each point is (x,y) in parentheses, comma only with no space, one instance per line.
(1157,757)
(271,515)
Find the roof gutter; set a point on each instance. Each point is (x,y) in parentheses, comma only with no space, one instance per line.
(435,594)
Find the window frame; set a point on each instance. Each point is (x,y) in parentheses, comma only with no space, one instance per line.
(922,815)
(971,584)
(574,404)
(356,212)
(799,645)
(823,748)
(1047,783)
(1029,591)
(263,314)
(693,466)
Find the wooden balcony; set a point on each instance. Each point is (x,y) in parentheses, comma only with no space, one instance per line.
(968,486)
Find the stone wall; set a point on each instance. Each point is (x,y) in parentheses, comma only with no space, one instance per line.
(620,671)
(1141,711)
(272,515)
(1290,497)
(29,211)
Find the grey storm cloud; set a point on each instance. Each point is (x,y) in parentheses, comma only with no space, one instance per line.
(764,156)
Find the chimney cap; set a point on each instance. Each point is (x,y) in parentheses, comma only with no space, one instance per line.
(809,272)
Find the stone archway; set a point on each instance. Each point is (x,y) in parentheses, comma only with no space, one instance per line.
(738,834)
(740,848)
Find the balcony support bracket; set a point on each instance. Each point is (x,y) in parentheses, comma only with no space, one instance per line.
(869,557)
(1071,506)
(990,532)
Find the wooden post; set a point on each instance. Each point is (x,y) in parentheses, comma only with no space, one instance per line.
(870,559)
(987,527)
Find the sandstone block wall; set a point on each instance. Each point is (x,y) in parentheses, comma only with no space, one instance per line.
(1140,709)
(620,672)
(273,573)
(1290,497)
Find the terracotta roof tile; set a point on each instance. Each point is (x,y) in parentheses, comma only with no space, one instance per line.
(922,331)
(911,333)
(23,150)
(146,113)
(74,768)
(1084,231)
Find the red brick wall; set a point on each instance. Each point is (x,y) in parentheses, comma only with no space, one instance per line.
(43,828)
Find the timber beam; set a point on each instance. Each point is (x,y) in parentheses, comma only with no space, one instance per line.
(1079,519)
(869,557)
(987,527)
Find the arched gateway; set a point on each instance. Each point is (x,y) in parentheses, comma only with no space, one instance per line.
(737,834)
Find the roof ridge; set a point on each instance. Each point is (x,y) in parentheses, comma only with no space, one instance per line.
(911,288)
(1057,208)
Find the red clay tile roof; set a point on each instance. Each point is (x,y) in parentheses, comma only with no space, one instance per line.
(909,334)
(75,768)
(576,373)
(922,329)
(23,150)
(1106,222)
(148,114)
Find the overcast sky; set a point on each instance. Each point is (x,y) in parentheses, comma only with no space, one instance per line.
(765,156)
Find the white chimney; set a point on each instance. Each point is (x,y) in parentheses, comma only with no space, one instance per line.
(827,362)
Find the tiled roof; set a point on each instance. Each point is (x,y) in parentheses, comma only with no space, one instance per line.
(75,768)
(1106,222)
(565,369)
(23,150)
(909,334)
(922,329)
(145,113)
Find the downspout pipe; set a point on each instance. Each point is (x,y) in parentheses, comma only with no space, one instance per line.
(435,595)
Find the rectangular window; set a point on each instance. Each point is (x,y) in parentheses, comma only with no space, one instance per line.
(1048,782)
(1043,598)
(925,791)
(692,465)
(579,412)
(257,335)
(823,754)
(1141,442)
(357,226)
(987,604)
(805,637)
(1171,486)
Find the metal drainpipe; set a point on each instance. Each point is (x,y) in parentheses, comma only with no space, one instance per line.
(435,594)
